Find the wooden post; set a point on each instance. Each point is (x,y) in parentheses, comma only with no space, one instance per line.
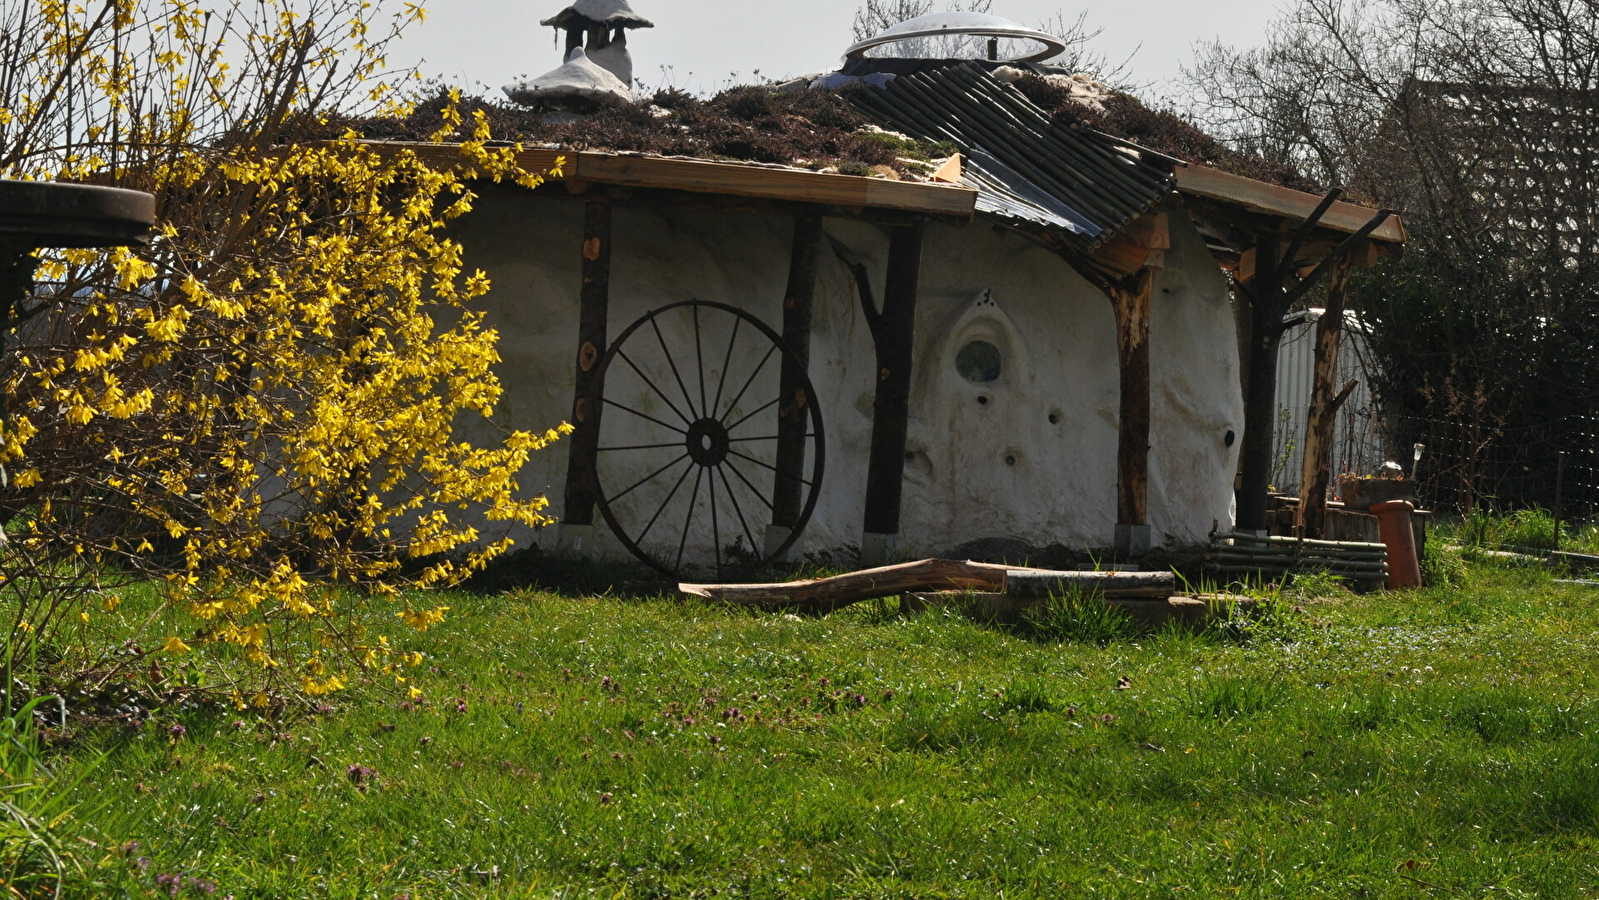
(1132,447)
(1315,472)
(793,412)
(1560,494)
(577,518)
(893,334)
(1260,400)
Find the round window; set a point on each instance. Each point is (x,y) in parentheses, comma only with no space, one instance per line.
(978,362)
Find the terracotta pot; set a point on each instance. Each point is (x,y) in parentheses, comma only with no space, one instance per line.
(1363,493)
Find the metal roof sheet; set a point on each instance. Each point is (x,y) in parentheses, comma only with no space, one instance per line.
(1029,170)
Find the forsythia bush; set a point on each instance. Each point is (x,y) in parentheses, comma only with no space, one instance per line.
(262,407)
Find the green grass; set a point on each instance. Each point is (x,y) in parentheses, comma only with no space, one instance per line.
(1428,745)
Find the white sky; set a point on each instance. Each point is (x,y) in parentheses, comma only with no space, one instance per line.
(709,44)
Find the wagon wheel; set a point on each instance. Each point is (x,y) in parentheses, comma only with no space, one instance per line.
(692,421)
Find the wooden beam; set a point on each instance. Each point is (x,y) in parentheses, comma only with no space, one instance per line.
(893,334)
(1274,200)
(793,414)
(1336,257)
(1267,307)
(1302,234)
(1315,472)
(1133,423)
(582,483)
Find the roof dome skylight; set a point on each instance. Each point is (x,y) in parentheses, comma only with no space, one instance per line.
(941,34)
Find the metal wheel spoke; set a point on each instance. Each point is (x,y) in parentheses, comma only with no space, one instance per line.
(673,363)
(648,477)
(716,530)
(641,447)
(734,405)
(754,414)
(670,405)
(667,502)
(699,360)
(767,466)
(643,416)
(727,363)
(753,489)
(770,437)
(689,519)
(705,444)
(739,511)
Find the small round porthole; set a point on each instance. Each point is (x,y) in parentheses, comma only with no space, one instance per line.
(978,362)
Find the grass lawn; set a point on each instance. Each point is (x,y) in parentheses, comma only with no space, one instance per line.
(1439,744)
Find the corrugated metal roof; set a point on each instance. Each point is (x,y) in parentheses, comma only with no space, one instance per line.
(1028,170)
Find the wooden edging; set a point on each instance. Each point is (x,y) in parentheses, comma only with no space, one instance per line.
(1275,200)
(727,179)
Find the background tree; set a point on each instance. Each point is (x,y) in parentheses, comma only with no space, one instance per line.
(263,407)
(1477,119)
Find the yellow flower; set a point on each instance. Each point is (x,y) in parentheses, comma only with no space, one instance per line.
(175,645)
(423,619)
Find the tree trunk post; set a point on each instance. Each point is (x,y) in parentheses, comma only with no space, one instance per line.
(582,484)
(894,337)
(1260,400)
(793,412)
(1132,447)
(1315,473)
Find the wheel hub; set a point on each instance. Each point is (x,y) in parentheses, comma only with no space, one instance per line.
(708,443)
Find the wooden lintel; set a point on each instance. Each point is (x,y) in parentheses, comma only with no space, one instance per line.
(645,198)
(725,178)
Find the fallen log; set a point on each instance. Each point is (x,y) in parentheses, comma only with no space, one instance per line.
(1031,584)
(824,595)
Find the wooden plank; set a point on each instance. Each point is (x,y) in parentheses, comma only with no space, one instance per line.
(1034,584)
(827,594)
(950,172)
(594,296)
(1271,199)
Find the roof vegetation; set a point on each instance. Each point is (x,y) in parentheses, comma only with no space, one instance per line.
(815,129)
(808,129)
(1164,131)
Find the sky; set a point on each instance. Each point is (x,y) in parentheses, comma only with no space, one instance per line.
(704,45)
